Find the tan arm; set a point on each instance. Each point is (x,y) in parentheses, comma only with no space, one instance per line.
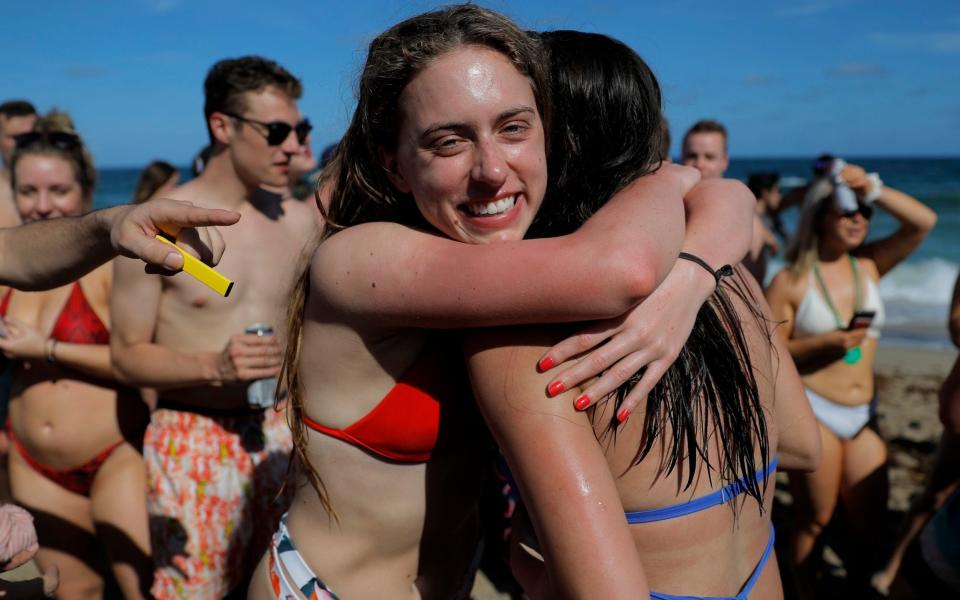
(559,467)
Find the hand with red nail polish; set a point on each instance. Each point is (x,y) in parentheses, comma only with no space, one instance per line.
(638,346)
(582,402)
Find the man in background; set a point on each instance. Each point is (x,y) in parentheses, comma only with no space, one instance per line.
(16,118)
(766,189)
(705,148)
(216,451)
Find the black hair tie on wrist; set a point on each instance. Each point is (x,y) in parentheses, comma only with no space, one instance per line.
(724,271)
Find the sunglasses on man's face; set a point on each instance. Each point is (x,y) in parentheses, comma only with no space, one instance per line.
(277,131)
(58,139)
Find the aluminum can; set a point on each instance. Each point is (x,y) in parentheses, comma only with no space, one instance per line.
(261,392)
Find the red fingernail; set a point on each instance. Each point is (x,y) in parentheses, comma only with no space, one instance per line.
(582,402)
(555,388)
(623,415)
(546,363)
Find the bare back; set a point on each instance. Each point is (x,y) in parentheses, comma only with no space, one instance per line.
(714,551)
(567,476)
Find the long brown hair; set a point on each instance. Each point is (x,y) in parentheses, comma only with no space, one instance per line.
(360,191)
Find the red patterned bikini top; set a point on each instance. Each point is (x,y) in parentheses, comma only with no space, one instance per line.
(77,322)
(404,426)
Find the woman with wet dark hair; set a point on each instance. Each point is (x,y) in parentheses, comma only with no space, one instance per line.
(709,434)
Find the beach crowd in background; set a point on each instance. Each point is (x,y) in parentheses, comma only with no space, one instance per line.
(493,342)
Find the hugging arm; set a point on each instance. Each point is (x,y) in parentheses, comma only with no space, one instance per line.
(391,275)
(651,335)
(560,469)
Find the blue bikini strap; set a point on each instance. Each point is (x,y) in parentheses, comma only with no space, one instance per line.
(744,591)
(712,499)
(748,586)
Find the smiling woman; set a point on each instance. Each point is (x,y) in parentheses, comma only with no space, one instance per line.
(444,155)
(476,175)
(829,302)
(72,467)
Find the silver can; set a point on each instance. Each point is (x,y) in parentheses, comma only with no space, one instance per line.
(261,392)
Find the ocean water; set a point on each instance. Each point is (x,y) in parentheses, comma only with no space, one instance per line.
(917,293)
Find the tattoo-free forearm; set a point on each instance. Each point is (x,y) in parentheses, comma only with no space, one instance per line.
(147,364)
(48,254)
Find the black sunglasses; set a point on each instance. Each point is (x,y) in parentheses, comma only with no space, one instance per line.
(61,140)
(863,209)
(277,131)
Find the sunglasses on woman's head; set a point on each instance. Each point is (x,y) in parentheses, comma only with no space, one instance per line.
(277,131)
(61,140)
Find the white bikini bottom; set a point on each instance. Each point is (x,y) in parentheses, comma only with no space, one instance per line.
(844,421)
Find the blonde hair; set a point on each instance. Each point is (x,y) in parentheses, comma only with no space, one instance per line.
(78,156)
(805,243)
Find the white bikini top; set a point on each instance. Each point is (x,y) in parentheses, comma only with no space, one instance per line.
(814,316)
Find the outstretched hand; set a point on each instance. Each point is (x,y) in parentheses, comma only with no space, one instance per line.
(132,232)
(650,336)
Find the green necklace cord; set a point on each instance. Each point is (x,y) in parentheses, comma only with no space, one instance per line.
(853,355)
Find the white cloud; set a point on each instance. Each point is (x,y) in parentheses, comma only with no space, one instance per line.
(940,42)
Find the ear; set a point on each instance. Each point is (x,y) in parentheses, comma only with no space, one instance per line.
(219,124)
(388,160)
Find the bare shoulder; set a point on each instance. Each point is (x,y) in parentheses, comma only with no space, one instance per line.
(372,236)
(787,284)
(299,215)
(869,266)
(360,254)
(193,191)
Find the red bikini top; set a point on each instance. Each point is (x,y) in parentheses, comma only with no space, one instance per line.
(404,426)
(77,322)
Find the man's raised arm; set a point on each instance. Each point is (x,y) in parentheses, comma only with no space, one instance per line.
(51,253)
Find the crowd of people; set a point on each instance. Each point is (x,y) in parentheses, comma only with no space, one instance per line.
(500,283)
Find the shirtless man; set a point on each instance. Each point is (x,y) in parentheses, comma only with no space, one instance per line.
(16,117)
(705,148)
(215,464)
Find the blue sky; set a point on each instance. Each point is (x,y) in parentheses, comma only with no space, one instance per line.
(788,77)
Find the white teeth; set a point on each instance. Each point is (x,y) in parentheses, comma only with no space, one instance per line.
(492,208)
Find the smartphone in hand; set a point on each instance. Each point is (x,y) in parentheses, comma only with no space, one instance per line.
(861,319)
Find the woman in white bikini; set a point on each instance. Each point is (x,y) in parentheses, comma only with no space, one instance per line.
(831,309)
